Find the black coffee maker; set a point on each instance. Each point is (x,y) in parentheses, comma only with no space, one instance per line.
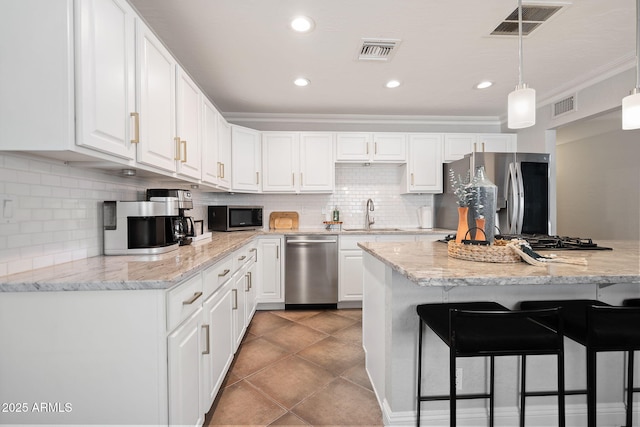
(182,225)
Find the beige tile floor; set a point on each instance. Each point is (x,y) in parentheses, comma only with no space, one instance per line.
(299,368)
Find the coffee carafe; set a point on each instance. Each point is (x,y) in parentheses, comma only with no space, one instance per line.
(182,225)
(183,230)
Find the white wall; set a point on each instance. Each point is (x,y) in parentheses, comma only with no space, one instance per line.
(599,180)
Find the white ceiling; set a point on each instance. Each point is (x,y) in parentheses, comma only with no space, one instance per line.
(245,57)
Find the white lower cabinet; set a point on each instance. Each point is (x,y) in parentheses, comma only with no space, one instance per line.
(238,308)
(350,269)
(270,283)
(184,355)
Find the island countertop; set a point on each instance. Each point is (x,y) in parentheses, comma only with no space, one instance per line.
(427,264)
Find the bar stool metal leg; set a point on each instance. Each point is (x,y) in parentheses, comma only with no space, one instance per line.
(591,388)
(523,376)
(630,389)
(452,386)
(492,383)
(419,372)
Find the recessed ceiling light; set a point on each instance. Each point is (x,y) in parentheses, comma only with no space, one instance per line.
(302,24)
(392,84)
(484,85)
(301,81)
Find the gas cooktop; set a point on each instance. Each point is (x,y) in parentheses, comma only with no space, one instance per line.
(543,241)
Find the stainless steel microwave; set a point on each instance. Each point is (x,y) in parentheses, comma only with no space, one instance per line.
(234,218)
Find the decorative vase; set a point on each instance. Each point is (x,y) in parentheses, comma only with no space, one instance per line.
(463,225)
(480,235)
(484,205)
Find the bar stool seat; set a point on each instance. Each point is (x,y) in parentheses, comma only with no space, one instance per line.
(488,329)
(632,302)
(599,327)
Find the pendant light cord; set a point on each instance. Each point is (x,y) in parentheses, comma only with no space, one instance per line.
(520,80)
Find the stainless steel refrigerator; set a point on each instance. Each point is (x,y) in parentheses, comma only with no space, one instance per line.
(523,191)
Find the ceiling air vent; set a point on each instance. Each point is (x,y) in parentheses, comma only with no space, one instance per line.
(378,49)
(564,106)
(532,17)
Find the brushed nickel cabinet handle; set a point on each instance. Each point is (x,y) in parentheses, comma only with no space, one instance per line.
(256,251)
(224,273)
(208,347)
(235,299)
(183,144)
(293,178)
(218,171)
(177,153)
(257,177)
(483,147)
(375,148)
(475,146)
(136,127)
(367,148)
(277,252)
(301,179)
(246,282)
(242,258)
(412,181)
(192,299)
(250,280)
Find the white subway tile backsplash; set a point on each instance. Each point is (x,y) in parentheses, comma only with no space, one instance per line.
(58,218)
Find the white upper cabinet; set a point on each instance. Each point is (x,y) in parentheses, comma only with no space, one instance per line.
(280,161)
(424,166)
(106,118)
(224,153)
(209,140)
(317,166)
(156,77)
(297,162)
(371,147)
(245,159)
(188,117)
(457,145)
(497,142)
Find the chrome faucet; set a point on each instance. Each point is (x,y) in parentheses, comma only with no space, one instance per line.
(367,219)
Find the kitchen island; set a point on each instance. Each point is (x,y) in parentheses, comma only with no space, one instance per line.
(399,276)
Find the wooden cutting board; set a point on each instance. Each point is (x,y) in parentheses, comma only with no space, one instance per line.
(283,220)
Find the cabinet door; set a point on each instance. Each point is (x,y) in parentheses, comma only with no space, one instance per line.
(156,70)
(184,355)
(224,153)
(105,64)
(250,292)
(218,350)
(424,168)
(497,142)
(317,167)
(389,147)
(245,159)
(238,307)
(352,146)
(209,139)
(456,145)
(351,272)
(188,126)
(280,162)
(270,287)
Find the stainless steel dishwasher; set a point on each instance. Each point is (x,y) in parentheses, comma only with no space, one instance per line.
(311,271)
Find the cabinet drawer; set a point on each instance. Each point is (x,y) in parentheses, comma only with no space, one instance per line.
(184,300)
(243,255)
(351,242)
(217,275)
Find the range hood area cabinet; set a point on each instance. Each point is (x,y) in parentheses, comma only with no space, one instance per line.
(359,147)
(423,170)
(298,162)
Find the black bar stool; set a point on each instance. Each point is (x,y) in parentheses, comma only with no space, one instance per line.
(488,329)
(599,327)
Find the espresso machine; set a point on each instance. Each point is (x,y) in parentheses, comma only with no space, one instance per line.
(138,228)
(180,201)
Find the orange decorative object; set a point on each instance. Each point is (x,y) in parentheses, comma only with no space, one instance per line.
(463,226)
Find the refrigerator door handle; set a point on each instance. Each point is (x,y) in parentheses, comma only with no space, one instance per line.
(520,199)
(512,200)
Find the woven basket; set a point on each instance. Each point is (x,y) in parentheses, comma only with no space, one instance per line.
(498,252)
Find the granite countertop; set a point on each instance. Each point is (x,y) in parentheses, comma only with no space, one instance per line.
(427,264)
(129,272)
(348,231)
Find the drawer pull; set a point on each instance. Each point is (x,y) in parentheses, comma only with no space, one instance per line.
(192,299)
(247,283)
(242,258)
(235,299)
(226,271)
(208,348)
(250,280)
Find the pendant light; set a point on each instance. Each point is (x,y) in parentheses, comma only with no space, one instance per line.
(631,103)
(521,109)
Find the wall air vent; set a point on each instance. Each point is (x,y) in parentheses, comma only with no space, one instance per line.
(377,49)
(532,17)
(564,106)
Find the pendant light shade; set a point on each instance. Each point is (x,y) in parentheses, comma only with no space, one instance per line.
(521,110)
(522,107)
(631,103)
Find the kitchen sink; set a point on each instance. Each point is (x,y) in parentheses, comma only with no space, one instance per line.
(372,229)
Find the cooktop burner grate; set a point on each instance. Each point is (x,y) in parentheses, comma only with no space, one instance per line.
(541,241)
